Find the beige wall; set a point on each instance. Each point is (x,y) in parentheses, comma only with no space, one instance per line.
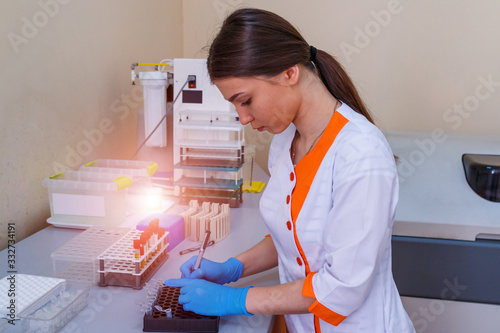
(65,90)
(421,66)
(66,98)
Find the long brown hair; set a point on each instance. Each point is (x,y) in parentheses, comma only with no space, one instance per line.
(255,42)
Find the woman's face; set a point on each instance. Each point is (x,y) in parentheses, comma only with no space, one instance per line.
(268,104)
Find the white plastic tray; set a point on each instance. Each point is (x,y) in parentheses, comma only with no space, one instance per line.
(29,290)
(72,301)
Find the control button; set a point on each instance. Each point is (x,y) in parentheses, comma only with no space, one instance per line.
(289,225)
(292,176)
(287,199)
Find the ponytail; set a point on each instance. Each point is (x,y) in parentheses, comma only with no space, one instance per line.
(339,84)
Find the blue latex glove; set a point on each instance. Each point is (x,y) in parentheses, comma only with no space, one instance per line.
(221,273)
(210,299)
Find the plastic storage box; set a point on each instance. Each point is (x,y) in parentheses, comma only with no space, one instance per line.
(81,199)
(173,224)
(76,261)
(55,314)
(140,172)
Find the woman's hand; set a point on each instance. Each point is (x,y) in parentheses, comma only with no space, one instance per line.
(210,299)
(221,273)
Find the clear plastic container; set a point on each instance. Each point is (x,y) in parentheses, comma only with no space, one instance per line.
(76,261)
(55,314)
(83,199)
(140,172)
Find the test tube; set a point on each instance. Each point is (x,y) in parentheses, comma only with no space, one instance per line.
(150,243)
(157,238)
(169,313)
(141,251)
(137,246)
(149,310)
(160,235)
(145,246)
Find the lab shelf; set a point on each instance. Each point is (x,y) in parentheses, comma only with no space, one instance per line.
(215,113)
(211,125)
(209,164)
(211,144)
(118,265)
(211,154)
(210,183)
(233,197)
(181,321)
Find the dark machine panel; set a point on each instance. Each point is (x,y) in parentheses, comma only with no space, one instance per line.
(447,269)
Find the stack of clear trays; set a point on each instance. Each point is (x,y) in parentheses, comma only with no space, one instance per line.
(55,314)
(141,172)
(29,290)
(76,260)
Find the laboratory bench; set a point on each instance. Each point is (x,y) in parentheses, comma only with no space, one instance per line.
(115,309)
(446,245)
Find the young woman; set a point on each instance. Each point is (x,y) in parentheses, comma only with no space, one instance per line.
(331,197)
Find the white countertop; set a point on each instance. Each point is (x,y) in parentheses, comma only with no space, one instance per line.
(435,199)
(115,309)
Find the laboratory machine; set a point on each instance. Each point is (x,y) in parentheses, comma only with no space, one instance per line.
(446,235)
(208,138)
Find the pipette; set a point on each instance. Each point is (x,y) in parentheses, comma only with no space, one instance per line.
(202,250)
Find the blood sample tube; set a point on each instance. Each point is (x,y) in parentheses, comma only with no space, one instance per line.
(137,251)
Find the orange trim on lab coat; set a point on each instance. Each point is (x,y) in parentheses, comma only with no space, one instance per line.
(319,310)
(305,171)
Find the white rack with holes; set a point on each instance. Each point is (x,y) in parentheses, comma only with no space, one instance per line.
(76,261)
(118,265)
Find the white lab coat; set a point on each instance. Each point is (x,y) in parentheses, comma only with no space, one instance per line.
(342,231)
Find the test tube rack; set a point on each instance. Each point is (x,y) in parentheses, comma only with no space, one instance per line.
(119,266)
(76,260)
(181,321)
(193,209)
(212,216)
